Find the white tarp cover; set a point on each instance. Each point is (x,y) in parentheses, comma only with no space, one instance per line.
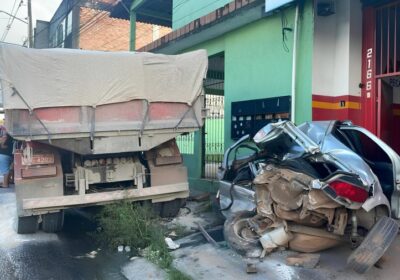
(66,77)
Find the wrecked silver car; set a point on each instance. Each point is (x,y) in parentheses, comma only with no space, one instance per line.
(309,188)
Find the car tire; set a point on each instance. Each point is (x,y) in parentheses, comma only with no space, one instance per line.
(233,229)
(27,224)
(374,245)
(53,222)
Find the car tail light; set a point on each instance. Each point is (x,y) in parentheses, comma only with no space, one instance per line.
(349,191)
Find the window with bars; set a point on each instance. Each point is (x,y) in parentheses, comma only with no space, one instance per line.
(387,38)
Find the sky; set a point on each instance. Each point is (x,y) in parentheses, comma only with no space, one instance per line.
(41,9)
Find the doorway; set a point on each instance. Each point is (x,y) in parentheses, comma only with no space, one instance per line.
(388,111)
(387,73)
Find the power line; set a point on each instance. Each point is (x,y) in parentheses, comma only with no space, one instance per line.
(8,27)
(137,38)
(102,15)
(7,43)
(59,17)
(84,28)
(91,23)
(159,27)
(11,12)
(11,20)
(185,16)
(179,5)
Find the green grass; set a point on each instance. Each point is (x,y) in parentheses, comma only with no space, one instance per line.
(180,231)
(131,224)
(175,274)
(126,224)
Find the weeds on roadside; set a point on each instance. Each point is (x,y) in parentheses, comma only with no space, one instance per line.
(180,231)
(136,226)
(127,224)
(175,274)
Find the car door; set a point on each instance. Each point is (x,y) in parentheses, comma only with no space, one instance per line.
(383,160)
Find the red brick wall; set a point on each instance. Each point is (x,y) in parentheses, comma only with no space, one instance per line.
(144,33)
(101,32)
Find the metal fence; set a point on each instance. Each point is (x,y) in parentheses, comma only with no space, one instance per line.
(213,138)
(212,149)
(214,135)
(186,143)
(387,36)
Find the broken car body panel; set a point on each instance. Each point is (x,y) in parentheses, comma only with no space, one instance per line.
(316,185)
(317,139)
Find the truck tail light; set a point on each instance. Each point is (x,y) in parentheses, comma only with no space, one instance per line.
(349,191)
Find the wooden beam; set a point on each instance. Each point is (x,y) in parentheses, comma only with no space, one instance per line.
(69,201)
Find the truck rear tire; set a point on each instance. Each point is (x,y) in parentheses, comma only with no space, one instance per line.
(53,222)
(170,209)
(27,224)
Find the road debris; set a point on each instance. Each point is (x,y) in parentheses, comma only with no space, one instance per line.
(303,260)
(275,238)
(172,234)
(207,236)
(171,244)
(251,268)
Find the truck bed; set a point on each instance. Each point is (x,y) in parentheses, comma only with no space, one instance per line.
(110,128)
(92,102)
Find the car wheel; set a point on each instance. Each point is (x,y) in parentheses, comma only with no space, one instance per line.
(240,237)
(374,245)
(27,224)
(53,222)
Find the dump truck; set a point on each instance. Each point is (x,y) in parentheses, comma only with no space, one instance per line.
(94,128)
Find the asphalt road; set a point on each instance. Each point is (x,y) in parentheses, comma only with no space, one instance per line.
(71,254)
(205,262)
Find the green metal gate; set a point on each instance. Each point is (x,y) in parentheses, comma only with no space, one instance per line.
(212,134)
(213,131)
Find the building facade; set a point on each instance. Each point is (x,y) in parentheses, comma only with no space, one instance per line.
(356,66)
(336,59)
(88,25)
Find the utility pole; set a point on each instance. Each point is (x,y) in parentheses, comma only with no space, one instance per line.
(30,35)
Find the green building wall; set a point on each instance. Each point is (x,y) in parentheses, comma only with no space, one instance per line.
(185,11)
(257,66)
